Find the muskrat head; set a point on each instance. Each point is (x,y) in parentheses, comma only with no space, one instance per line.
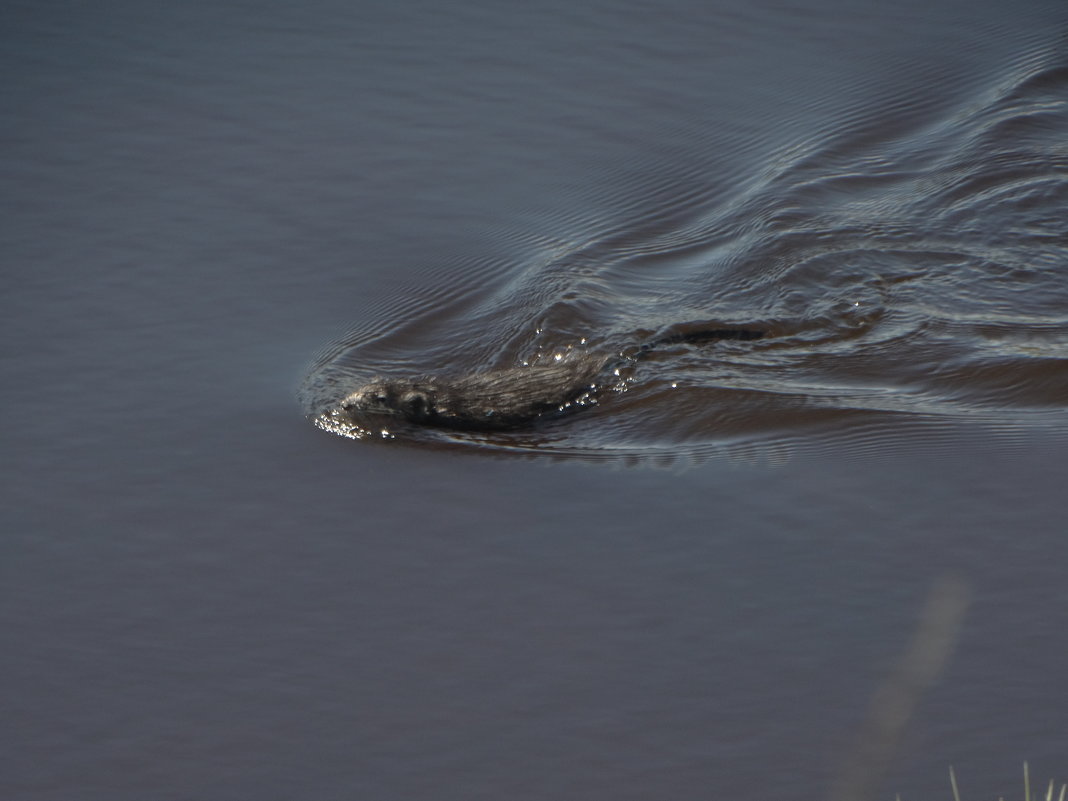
(402,398)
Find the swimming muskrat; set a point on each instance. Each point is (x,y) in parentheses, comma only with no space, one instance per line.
(510,397)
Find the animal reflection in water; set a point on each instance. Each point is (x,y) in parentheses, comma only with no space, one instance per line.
(512,397)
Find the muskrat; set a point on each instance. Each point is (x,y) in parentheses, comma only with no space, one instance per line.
(510,397)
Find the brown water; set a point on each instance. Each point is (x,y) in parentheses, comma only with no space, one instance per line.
(693,588)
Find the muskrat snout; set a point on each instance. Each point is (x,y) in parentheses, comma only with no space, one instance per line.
(382,397)
(375,395)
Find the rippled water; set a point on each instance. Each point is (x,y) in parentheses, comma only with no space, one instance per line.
(219,218)
(909,265)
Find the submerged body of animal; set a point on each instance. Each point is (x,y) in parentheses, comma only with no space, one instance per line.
(511,397)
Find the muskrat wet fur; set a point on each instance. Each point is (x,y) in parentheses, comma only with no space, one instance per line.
(509,397)
(496,399)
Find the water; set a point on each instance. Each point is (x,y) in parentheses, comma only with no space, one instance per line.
(908,271)
(217,219)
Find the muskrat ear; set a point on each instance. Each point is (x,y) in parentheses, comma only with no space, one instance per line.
(416,406)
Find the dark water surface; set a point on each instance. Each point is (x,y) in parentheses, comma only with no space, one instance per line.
(218,219)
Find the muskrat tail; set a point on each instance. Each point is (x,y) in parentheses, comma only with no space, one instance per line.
(698,336)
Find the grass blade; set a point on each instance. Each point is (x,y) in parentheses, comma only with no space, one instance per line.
(953,783)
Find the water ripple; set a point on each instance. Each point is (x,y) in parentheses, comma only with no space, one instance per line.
(910,268)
